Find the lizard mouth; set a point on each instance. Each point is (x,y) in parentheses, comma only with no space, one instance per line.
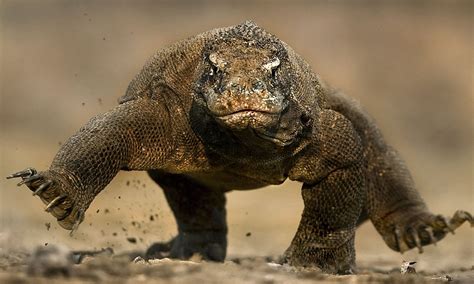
(245,113)
(247,118)
(280,141)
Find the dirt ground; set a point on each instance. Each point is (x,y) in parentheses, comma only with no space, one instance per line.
(408,62)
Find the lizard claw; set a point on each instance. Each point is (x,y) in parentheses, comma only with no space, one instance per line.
(42,187)
(443,223)
(399,239)
(55,202)
(431,236)
(25,173)
(29,179)
(79,218)
(416,239)
(419,229)
(459,218)
(52,190)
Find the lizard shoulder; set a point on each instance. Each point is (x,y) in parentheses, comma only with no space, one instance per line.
(334,144)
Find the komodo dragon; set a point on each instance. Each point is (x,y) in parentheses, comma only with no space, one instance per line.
(234,109)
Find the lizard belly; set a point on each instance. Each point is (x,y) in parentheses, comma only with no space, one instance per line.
(238,178)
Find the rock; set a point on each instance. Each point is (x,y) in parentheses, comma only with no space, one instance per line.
(51,260)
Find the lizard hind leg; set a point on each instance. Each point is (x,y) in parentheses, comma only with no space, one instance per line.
(200,215)
(398,212)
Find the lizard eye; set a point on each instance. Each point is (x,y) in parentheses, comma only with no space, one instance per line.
(213,70)
(272,66)
(216,63)
(274,72)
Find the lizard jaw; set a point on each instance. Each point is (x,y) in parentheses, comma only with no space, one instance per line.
(243,119)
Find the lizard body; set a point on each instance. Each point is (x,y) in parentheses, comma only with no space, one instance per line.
(234,109)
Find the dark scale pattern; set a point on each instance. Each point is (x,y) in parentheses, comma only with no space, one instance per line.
(177,122)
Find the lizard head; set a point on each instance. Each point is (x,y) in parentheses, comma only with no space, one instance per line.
(245,85)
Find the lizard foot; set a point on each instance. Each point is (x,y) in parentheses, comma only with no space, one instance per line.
(422,229)
(338,260)
(208,245)
(159,250)
(51,191)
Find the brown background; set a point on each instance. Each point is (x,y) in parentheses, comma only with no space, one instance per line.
(408,62)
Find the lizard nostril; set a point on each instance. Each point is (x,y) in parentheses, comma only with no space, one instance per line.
(258,86)
(305,119)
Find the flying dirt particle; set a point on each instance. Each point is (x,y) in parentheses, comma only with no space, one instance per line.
(103,38)
(114,234)
(248,234)
(45,244)
(106,211)
(100,101)
(83,103)
(60,143)
(124,229)
(48,226)
(90,224)
(118,209)
(152,218)
(127,183)
(132,240)
(98,210)
(119,197)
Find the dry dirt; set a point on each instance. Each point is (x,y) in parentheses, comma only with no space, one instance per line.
(408,62)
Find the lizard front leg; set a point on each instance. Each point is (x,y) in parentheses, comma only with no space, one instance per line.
(333,193)
(135,135)
(325,236)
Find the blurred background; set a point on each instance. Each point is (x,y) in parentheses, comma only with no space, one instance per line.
(410,63)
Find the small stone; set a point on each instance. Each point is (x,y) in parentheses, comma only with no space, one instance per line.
(139,260)
(408,267)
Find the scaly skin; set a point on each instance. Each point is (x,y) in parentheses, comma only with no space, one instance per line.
(235,109)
